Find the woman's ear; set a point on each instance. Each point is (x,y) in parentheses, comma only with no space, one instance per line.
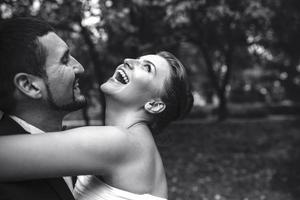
(155,106)
(28,84)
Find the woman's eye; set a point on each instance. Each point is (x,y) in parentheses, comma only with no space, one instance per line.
(147,68)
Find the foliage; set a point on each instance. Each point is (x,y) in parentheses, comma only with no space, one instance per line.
(238,50)
(286,46)
(221,30)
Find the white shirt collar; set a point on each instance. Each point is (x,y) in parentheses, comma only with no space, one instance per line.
(26,126)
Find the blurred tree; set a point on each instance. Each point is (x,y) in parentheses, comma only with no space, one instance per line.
(285,45)
(240,43)
(220,29)
(137,27)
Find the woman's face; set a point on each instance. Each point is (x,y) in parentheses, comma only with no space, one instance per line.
(137,81)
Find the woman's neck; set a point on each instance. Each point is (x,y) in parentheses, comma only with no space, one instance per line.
(123,116)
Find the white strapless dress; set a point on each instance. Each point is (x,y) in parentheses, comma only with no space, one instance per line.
(91,188)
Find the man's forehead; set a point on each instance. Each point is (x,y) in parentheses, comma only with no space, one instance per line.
(53,42)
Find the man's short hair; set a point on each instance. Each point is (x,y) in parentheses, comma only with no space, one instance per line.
(20,51)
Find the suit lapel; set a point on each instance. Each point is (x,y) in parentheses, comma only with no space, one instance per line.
(61,188)
(8,127)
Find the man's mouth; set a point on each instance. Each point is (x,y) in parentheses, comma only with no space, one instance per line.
(121,76)
(76,86)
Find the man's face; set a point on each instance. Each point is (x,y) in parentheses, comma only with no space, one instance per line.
(62,74)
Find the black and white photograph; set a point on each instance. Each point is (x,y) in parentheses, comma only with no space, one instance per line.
(149,100)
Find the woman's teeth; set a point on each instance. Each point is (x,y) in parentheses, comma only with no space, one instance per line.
(122,77)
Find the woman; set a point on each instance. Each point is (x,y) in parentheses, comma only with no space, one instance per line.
(142,97)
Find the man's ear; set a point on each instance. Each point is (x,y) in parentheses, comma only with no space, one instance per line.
(155,106)
(28,84)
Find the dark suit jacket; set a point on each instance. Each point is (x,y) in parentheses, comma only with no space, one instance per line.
(41,189)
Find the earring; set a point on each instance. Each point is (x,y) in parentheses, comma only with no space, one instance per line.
(148,106)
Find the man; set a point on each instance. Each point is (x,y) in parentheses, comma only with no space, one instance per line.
(38,87)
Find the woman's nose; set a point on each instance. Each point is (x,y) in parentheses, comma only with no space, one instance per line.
(130,63)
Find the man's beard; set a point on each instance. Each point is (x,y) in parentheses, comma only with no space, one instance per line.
(72,106)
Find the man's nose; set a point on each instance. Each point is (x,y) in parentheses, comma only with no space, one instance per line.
(78,68)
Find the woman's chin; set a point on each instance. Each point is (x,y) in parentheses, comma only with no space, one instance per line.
(111,87)
(101,87)
(106,87)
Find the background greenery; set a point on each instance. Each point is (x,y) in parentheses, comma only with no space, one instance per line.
(242,57)
(235,51)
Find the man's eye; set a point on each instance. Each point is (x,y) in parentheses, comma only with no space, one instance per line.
(65,60)
(147,67)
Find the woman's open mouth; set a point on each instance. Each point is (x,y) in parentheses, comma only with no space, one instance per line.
(121,76)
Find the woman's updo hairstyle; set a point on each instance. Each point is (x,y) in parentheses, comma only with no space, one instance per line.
(176,95)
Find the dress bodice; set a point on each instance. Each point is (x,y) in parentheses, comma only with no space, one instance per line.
(91,188)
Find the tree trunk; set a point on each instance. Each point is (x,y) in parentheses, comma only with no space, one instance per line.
(222,108)
(97,63)
(86,116)
(219,84)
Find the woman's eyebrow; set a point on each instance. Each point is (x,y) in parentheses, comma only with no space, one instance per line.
(149,62)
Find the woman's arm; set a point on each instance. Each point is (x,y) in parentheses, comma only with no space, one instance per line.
(86,150)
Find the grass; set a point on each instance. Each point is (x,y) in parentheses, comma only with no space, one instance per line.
(236,160)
